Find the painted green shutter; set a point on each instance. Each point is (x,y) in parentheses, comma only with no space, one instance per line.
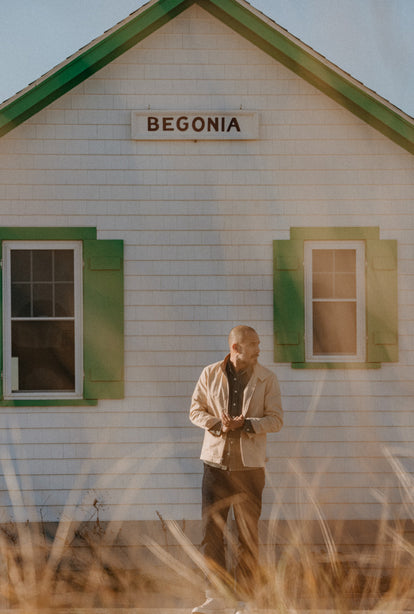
(288,291)
(382,301)
(1,326)
(103,321)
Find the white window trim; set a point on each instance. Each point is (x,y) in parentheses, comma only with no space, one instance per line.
(76,246)
(360,355)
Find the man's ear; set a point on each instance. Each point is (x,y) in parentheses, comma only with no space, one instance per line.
(235,348)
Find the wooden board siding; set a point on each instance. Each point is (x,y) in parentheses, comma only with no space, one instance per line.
(198,221)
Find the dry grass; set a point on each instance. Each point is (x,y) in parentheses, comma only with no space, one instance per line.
(86,572)
(84,566)
(298,576)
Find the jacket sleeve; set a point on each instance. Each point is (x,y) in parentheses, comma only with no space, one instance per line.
(200,414)
(272,420)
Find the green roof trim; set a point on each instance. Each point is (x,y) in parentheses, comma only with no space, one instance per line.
(331,82)
(90,61)
(244,20)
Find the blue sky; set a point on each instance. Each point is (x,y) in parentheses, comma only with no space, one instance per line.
(370,39)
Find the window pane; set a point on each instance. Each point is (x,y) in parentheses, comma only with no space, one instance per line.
(20,300)
(46,355)
(323,285)
(345,285)
(334,328)
(64,300)
(42,300)
(42,265)
(345,260)
(36,298)
(20,264)
(345,273)
(322,260)
(64,265)
(334,273)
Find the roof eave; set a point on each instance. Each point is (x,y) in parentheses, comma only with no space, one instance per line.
(315,69)
(245,20)
(82,65)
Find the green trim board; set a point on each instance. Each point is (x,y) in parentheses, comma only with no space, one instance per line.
(326,78)
(336,365)
(241,18)
(71,74)
(381,290)
(103,313)
(334,233)
(49,403)
(49,233)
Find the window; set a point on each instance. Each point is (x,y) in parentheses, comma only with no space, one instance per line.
(42,319)
(335,298)
(334,301)
(62,322)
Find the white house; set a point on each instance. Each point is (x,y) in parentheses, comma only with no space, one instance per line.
(194,168)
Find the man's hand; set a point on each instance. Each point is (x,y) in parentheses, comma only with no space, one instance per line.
(231,424)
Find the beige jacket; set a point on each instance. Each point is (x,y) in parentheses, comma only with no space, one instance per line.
(261,405)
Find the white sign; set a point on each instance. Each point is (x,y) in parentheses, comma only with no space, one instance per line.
(194,125)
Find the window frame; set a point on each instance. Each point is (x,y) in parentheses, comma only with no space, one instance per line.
(360,354)
(76,247)
(381,291)
(103,296)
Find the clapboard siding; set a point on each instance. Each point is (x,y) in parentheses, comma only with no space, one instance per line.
(135,480)
(205,177)
(198,220)
(179,434)
(336,471)
(148,496)
(391,418)
(267,163)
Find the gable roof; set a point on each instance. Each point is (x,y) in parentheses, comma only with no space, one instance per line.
(248,22)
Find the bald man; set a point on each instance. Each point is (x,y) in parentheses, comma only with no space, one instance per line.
(236,401)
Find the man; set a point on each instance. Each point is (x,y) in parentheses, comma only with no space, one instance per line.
(236,402)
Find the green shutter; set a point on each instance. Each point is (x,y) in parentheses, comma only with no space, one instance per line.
(288,291)
(103,321)
(381,295)
(1,325)
(382,301)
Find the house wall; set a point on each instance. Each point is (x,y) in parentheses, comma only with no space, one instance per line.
(198,220)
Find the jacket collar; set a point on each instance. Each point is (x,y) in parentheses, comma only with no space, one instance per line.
(259,371)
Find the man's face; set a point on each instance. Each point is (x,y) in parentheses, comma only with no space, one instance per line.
(248,350)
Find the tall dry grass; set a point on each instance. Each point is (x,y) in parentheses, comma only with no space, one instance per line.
(86,565)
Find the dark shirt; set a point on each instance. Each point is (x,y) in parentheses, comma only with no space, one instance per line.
(238,380)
